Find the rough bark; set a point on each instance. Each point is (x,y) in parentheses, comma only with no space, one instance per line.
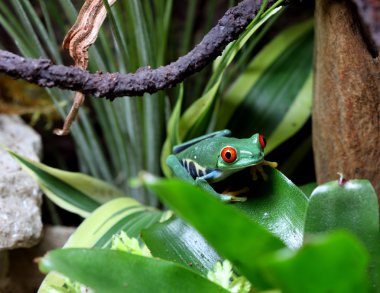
(369,11)
(346,110)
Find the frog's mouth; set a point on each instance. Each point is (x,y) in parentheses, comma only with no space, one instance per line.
(244,163)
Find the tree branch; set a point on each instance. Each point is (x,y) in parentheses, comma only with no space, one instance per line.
(146,80)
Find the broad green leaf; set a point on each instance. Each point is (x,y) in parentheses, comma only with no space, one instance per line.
(75,192)
(351,205)
(296,116)
(278,205)
(273,96)
(119,214)
(236,237)
(112,271)
(331,263)
(97,230)
(177,241)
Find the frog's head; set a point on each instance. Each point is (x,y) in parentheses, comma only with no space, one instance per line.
(241,153)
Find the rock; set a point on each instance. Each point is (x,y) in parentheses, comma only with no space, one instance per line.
(20,197)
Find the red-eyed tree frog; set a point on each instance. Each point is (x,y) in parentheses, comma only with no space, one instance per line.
(213,157)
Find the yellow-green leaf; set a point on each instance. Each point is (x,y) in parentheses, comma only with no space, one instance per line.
(96,231)
(75,192)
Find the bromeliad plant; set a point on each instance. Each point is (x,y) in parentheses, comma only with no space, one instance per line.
(279,239)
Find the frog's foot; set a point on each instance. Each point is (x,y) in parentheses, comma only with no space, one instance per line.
(259,168)
(236,192)
(270,164)
(234,195)
(253,172)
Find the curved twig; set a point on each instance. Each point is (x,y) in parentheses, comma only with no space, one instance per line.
(146,79)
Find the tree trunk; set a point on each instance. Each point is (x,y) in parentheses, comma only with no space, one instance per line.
(346,110)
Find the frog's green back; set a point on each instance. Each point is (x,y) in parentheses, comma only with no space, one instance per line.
(204,152)
(183,146)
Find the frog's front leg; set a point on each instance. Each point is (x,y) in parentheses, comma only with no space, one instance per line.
(178,170)
(181,172)
(260,169)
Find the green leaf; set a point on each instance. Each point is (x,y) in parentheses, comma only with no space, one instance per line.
(14,29)
(117,271)
(273,95)
(332,263)
(195,120)
(197,115)
(27,26)
(75,192)
(41,31)
(278,205)
(308,188)
(121,214)
(350,205)
(176,241)
(236,237)
(172,133)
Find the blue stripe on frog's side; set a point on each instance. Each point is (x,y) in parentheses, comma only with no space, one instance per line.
(193,170)
(196,171)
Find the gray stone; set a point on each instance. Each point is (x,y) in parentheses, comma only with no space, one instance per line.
(20,197)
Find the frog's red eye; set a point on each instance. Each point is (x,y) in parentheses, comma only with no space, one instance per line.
(229,154)
(263,141)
